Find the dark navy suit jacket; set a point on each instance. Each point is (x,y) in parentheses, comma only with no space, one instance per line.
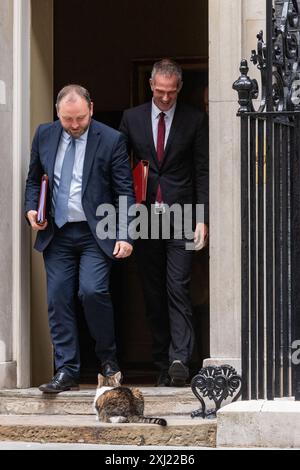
(183,174)
(106,176)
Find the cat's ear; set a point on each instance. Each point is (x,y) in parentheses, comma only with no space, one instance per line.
(118,377)
(100,380)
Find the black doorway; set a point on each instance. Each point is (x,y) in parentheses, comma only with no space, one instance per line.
(109,47)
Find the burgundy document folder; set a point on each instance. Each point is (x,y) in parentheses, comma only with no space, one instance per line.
(140,178)
(41,210)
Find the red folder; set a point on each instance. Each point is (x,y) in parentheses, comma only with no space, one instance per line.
(140,179)
(41,210)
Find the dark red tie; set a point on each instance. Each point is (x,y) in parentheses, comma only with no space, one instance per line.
(160,148)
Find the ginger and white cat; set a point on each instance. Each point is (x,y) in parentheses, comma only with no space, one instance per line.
(114,403)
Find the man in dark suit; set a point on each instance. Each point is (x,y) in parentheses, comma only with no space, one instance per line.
(87,165)
(173,138)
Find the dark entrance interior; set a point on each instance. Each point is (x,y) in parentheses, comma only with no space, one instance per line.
(109,48)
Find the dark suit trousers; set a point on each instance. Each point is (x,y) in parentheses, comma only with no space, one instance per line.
(76,267)
(165,268)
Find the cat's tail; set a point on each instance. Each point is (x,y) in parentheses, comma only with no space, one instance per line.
(147,420)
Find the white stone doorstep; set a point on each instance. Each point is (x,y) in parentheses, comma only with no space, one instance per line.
(261,423)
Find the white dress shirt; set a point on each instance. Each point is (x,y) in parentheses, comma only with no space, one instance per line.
(75,209)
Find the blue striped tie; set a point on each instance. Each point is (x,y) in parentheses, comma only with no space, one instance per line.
(62,197)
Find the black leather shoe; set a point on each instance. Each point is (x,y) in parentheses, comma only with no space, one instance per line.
(164,379)
(110,368)
(178,373)
(61,382)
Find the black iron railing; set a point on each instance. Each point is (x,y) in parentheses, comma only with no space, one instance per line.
(270,209)
(270,206)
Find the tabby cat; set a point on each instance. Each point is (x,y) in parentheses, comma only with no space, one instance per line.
(114,403)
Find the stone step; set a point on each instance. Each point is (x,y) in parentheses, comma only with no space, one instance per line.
(180,431)
(159,401)
(260,423)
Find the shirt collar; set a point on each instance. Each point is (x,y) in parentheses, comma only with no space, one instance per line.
(156,111)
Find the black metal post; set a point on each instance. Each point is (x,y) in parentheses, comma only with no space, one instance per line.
(295,262)
(278,257)
(269,259)
(261,258)
(269,61)
(245,255)
(269,206)
(285,326)
(253,258)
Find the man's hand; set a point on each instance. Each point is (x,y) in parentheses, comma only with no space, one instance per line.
(200,236)
(122,250)
(31,216)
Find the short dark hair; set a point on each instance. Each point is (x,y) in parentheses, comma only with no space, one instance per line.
(167,67)
(72,90)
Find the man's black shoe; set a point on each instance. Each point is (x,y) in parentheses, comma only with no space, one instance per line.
(61,382)
(110,368)
(178,373)
(163,379)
